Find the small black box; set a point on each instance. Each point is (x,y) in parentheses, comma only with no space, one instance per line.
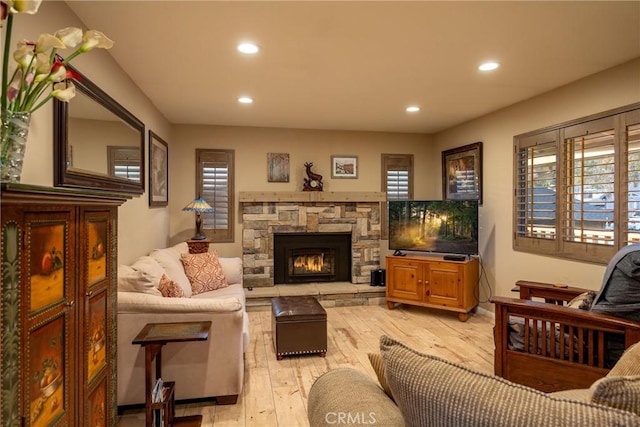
(378,277)
(454,258)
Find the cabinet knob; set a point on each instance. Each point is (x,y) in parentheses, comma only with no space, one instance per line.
(419,281)
(89,294)
(70,304)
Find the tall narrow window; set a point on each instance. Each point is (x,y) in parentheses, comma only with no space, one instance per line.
(124,162)
(397,183)
(632,208)
(536,187)
(589,185)
(214,182)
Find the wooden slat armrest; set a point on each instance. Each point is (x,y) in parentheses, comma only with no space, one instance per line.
(564,315)
(550,292)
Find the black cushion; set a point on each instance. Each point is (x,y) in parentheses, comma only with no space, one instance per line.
(620,292)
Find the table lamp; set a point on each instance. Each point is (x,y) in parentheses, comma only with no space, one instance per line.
(199,206)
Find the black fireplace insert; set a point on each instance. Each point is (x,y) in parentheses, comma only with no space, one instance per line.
(311,257)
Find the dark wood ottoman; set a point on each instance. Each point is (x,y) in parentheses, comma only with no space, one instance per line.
(299,325)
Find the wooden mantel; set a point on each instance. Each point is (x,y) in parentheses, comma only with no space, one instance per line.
(311,196)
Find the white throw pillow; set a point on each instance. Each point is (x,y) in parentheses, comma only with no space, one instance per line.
(232,269)
(149,266)
(131,280)
(181,248)
(169,259)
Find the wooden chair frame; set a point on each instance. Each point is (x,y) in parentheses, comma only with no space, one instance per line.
(540,365)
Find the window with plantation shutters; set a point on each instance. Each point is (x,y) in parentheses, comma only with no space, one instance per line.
(589,185)
(536,187)
(124,162)
(214,183)
(397,182)
(397,185)
(577,187)
(631,210)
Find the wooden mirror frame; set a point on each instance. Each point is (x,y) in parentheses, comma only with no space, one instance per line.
(66,177)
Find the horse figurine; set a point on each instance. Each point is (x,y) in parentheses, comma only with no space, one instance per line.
(314,180)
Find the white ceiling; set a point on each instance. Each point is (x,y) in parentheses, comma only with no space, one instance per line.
(357,65)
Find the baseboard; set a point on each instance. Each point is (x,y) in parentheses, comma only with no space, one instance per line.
(485,312)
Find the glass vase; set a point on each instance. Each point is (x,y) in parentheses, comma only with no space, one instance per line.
(13,135)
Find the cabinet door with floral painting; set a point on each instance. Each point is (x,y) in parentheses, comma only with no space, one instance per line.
(49,344)
(97,233)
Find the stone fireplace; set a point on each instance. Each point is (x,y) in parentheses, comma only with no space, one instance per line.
(265,215)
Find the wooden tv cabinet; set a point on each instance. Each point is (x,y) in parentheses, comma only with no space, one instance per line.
(433,282)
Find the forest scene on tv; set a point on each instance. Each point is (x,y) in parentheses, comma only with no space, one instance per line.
(434,226)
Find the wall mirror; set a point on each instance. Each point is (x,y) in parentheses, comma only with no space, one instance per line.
(98,144)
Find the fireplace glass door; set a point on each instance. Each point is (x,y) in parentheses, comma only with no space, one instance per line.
(312,257)
(311,263)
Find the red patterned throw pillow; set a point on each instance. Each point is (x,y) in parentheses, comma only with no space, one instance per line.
(204,272)
(169,288)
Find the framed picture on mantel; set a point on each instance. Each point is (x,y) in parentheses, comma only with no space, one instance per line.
(462,173)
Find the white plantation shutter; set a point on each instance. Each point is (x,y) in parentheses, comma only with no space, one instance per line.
(215,190)
(397,182)
(124,162)
(397,185)
(215,185)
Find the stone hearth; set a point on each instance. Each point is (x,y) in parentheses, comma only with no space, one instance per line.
(337,294)
(309,212)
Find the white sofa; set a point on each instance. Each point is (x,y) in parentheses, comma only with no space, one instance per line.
(205,369)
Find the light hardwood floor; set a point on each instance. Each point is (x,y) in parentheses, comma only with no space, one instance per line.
(275,392)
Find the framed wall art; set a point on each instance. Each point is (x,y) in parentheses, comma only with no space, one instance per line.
(158,171)
(278,167)
(344,166)
(462,173)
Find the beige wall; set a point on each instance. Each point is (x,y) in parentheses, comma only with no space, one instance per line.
(143,228)
(140,228)
(604,91)
(90,141)
(251,146)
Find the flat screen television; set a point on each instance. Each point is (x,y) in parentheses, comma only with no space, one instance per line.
(440,226)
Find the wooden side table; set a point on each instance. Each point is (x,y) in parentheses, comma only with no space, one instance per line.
(153,337)
(198,246)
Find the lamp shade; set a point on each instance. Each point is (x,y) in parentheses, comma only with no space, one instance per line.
(198,205)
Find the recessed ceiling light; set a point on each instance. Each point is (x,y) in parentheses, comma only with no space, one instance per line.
(245,100)
(412,109)
(248,47)
(488,66)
